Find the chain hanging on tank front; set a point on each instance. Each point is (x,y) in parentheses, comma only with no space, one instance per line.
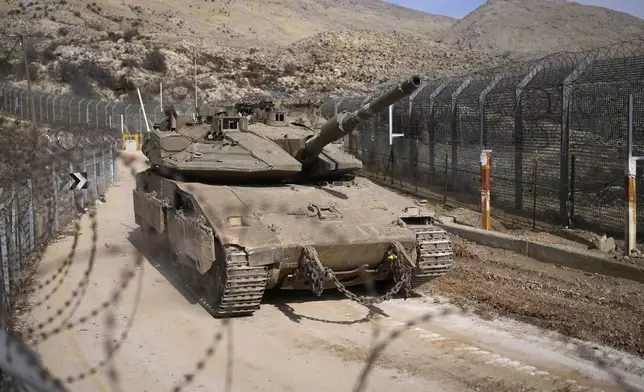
(311,269)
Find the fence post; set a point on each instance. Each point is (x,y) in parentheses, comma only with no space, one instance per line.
(98,102)
(54,177)
(4,258)
(431,132)
(95,175)
(13,239)
(485,156)
(455,143)
(630,187)
(486,220)
(71,170)
(113,159)
(19,226)
(518,136)
(412,97)
(84,169)
(564,174)
(103,176)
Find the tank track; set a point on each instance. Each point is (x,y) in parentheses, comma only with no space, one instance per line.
(435,254)
(241,287)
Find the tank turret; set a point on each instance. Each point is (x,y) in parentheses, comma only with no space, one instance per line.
(260,142)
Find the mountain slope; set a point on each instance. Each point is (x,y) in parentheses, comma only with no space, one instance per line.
(239,23)
(540,26)
(242,46)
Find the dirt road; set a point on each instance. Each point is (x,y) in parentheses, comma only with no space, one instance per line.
(294,342)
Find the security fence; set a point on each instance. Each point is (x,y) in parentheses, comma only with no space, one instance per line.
(71,110)
(557,128)
(37,200)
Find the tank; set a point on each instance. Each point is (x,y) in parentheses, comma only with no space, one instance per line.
(246,200)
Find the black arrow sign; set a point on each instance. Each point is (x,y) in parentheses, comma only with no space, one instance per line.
(80,180)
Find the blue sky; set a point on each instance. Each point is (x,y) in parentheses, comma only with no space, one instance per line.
(460,8)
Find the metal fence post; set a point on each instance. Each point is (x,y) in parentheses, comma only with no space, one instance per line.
(431,132)
(95,175)
(486,220)
(103,176)
(4,258)
(455,141)
(54,177)
(518,136)
(485,156)
(113,164)
(84,169)
(564,174)
(630,187)
(71,170)
(14,254)
(32,225)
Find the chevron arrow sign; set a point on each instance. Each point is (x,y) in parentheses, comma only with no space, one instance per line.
(80,180)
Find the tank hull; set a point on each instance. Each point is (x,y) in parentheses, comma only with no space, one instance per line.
(264,230)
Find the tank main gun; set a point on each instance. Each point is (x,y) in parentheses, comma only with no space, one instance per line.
(344,123)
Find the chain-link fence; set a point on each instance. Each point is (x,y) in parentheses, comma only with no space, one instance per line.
(37,206)
(71,110)
(38,200)
(557,128)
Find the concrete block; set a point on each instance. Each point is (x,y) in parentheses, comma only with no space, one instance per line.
(552,254)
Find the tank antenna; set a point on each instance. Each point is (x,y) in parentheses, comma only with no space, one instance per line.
(145,116)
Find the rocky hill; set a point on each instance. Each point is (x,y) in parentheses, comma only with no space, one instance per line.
(298,47)
(540,26)
(242,46)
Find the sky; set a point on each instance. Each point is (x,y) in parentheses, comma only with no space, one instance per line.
(460,8)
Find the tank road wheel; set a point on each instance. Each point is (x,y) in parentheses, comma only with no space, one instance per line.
(232,286)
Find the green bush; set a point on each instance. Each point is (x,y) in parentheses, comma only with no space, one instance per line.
(155,61)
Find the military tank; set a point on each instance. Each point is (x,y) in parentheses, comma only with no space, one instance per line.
(246,200)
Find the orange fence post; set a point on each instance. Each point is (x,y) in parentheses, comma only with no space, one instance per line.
(486,220)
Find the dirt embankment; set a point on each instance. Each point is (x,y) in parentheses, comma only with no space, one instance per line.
(586,306)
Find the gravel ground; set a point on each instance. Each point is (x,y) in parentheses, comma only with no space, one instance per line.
(591,307)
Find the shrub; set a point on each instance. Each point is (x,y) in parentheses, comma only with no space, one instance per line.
(123,85)
(20,74)
(102,76)
(32,53)
(129,35)
(114,37)
(132,63)
(72,74)
(155,61)
(290,69)
(5,68)
(47,53)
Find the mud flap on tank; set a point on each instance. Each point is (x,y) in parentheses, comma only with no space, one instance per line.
(193,238)
(149,210)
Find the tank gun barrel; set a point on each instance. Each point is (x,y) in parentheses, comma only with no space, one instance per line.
(344,123)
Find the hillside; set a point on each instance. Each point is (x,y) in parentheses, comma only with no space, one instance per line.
(298,47)
(107,48)
(540,26)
